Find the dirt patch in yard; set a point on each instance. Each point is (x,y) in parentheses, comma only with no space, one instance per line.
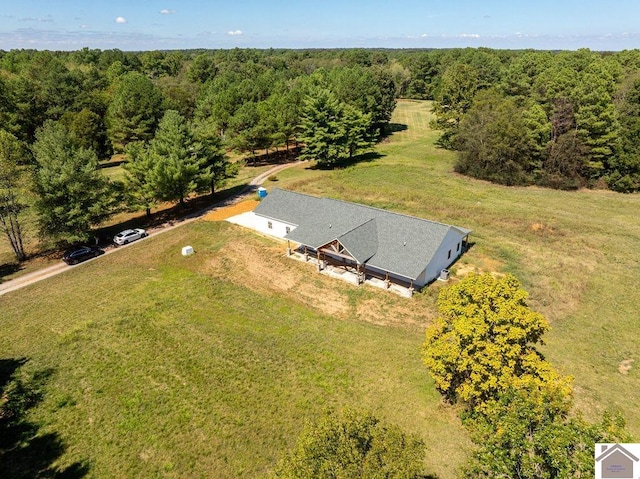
(265,268)
(386,311)
(221,214)
(625,366)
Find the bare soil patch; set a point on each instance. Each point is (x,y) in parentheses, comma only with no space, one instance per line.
(266,269)
(625,366)
(222,214)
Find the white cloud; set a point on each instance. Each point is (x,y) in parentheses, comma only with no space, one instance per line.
(167,11)
(469,35)
(235,33)
(121,20)
(47,19)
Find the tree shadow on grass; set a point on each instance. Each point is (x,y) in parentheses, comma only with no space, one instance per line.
(363,158)
(174,214)
(25,452)
(275,157)
(395,127)
(8,269)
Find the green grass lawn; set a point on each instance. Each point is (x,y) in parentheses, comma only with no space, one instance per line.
(170,366)
(575,252)
(208,366)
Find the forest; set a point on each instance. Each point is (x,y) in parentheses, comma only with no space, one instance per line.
(566,120)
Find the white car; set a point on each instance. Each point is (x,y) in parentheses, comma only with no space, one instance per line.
(127,236)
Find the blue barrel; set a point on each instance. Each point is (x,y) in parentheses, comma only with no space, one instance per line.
(262,192)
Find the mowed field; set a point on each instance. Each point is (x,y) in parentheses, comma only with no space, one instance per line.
(577,253)
(157,365)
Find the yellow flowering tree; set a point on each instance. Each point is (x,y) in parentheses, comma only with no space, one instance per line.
(484,339)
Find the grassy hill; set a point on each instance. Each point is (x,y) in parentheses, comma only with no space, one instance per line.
(153,364)
(575,252)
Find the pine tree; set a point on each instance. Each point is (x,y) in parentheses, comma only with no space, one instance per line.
(331,131)
(139,180)
(134,110)
(73,195)
(177,168)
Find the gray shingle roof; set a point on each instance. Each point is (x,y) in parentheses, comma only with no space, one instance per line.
(362,241)
(383,239)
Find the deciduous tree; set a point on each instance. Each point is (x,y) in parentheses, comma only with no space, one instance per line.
(13,186)
(625,169)
(353,445)
(484,339)
(493,141)
(530,434)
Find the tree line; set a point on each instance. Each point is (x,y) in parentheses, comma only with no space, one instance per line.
(563,120)
(557,119)
(173,115)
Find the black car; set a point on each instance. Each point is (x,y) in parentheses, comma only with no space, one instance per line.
(80,253)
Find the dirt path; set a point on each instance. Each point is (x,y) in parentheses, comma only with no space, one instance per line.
(55,269)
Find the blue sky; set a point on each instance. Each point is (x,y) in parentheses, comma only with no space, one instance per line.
(169,24)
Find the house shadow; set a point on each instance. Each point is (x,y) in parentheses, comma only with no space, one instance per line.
(26,452)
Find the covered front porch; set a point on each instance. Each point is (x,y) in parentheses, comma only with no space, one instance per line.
(335,261)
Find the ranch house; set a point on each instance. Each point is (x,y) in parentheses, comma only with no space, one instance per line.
(373,243)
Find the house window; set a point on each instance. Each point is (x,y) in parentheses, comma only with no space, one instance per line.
(288,229)
(449,256)
(458,247)
(269,225)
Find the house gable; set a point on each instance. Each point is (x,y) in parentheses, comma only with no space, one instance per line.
(362,241)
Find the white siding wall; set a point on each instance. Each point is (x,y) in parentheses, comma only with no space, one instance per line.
(441,260)
(272,227)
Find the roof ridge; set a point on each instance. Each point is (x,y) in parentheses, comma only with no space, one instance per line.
(361,205)
(356,227)
(382,210)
